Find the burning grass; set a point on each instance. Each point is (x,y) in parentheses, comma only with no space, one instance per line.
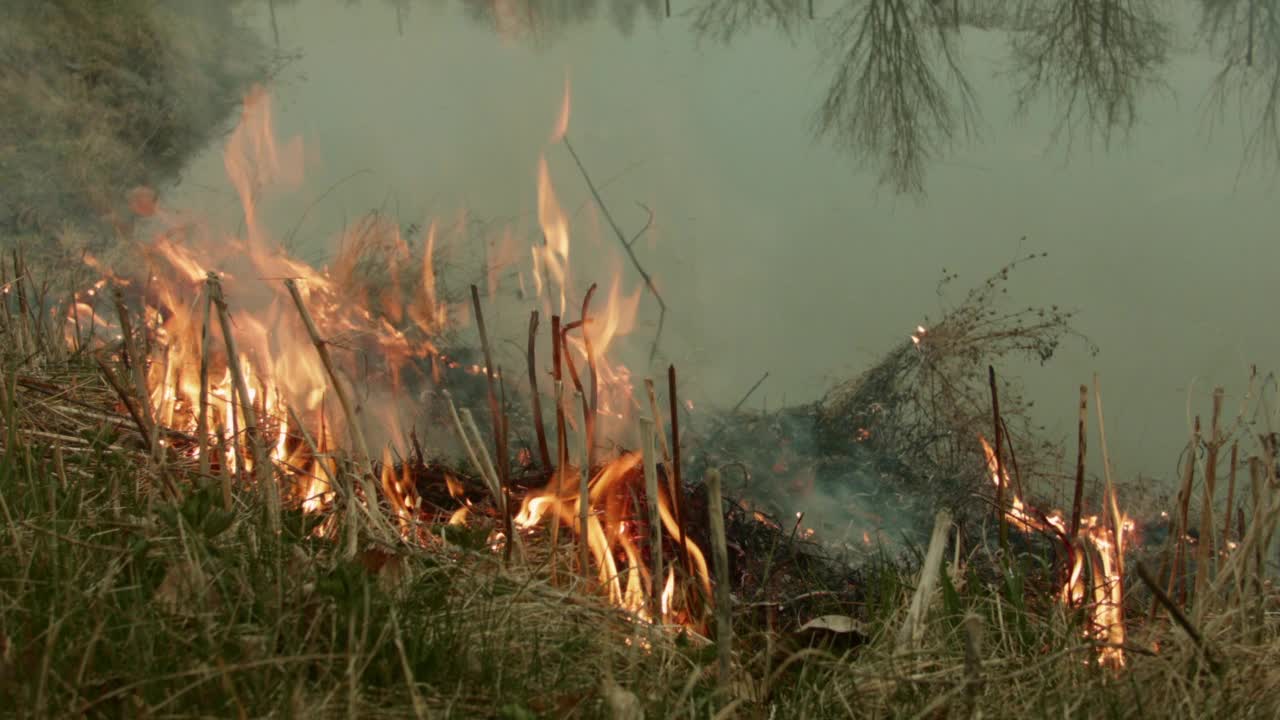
(119,602)
(233,483)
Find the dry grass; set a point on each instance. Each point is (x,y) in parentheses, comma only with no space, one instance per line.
(116,600)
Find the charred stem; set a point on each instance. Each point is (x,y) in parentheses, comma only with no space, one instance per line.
(544,453)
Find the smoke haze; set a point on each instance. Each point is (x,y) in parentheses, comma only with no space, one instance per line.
(775,251)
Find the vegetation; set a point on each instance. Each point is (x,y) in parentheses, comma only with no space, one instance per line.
(132,584)
(102,97)
(136,583)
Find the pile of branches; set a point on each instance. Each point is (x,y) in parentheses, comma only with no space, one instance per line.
(900,441)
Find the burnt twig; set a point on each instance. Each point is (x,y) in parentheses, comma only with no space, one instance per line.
(644,274)
(543,452)
(499,437)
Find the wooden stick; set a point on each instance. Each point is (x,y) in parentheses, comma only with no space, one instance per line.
(660,427)
(972,624)
(1177,588)
(357,434)
(912,630)
(1112,508)
(724,613)
(60,466)
(202,415)
(544,453)
(573,371)
(584,502)
(1175,612)
(1229,511)
(1204,556)
(655,520)
(128,402)
(1081,447)
(134,361)
(595,379)
(1000,481)
(224,473)
(465,437)
(677,489)
(499,437)
(490,473)
(562,449)
(635,262)
(261,463)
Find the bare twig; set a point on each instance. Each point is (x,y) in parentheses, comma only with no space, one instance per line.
(261,464)
(676,483)
(499,437)
(1228,512)
(584,502)
(1176,613)
(912,630)
(544,453)
(353,426)
(649,450)
(594,380)
(202,415)
(635,262)
(657,418)
(999,470)
(1081,448)
(724,622)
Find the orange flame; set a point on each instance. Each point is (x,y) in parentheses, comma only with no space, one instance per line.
(1097,557)
(610,535)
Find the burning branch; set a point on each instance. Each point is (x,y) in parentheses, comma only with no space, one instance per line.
(544,453)
(1001,476)
(655,520)
(677,485)
(202,415)
(1081,448)
(261,465)
(499,425)
(357,434)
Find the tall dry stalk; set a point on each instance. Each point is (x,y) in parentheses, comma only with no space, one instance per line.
(1204,556)
(912,630)
(584,497)
(657,419)
(655,520)
(202,414)
(261,464)
(1179,538)
(366,475)
(724,617)
(1077,501)
(1229,510)
(1114,518)
(544,453)
(499,423)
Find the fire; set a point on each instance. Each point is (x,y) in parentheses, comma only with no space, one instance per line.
(287,385)
(611,532)
(256,354)
(1096,577)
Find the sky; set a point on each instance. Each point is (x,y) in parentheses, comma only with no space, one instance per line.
(776,251)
